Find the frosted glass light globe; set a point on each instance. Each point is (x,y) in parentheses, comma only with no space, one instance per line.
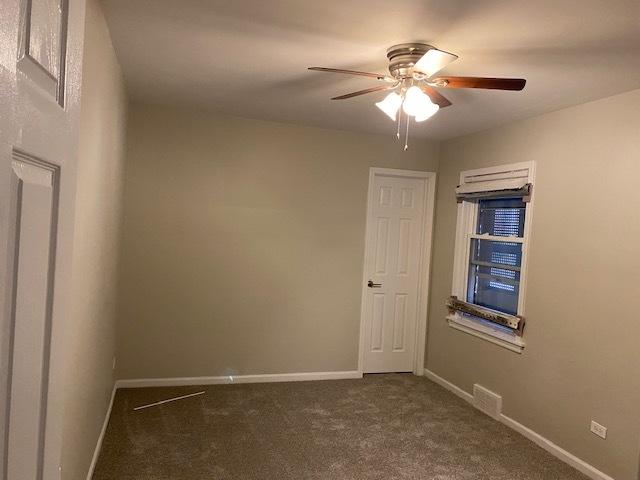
(390,105)
(418,105)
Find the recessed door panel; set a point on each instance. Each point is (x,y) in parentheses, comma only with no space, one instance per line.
(43,31)
(382,245)
(45,22)
(404,242)
(399,321)
(377,324)
(34,189)
(384,198)
(407,198)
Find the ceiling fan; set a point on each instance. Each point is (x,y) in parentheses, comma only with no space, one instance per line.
(412,68)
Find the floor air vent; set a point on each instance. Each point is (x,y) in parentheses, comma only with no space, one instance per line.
(486,401)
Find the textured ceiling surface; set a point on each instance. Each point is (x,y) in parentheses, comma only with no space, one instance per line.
(249,57)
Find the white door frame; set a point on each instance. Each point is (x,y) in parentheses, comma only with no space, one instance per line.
(424,262)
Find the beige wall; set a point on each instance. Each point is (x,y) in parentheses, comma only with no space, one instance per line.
(244,242)
(582,359)
(91,334)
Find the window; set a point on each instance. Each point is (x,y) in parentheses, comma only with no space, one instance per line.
(490,257)
(494,265)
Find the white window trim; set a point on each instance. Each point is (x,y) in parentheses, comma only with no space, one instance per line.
(465,230)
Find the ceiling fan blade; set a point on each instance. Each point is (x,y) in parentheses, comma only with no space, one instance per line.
(379,88)
(377,76)
(481,82)
(435,96)
(433,61)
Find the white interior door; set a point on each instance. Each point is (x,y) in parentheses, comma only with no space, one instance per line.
(394,270)
(40,69)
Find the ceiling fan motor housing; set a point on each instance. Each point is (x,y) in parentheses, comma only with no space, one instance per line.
(404,56)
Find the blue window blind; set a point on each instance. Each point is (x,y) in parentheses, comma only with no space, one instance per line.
(502,217)
(494,266)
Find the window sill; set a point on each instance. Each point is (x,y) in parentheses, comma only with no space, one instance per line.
(494,334)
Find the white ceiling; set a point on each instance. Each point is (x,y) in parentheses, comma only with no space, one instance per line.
(249,57)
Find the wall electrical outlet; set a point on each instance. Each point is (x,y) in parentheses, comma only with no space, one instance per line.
(598,429)
(113,367)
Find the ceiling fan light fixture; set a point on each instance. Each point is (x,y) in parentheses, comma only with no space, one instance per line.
(390,105)
(418,105)
(415,88)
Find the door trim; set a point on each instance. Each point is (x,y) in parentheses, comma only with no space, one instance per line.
(424,262)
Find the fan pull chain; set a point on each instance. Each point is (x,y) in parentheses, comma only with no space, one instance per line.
(406,135)
(398,122)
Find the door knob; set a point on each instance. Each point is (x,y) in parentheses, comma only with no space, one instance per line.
(370,284)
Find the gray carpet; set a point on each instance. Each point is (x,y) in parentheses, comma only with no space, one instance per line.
(382,427)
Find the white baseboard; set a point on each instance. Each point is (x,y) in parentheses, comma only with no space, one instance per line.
(567,457)
(448,385)
(219,380)
(96,452)
(555,450)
